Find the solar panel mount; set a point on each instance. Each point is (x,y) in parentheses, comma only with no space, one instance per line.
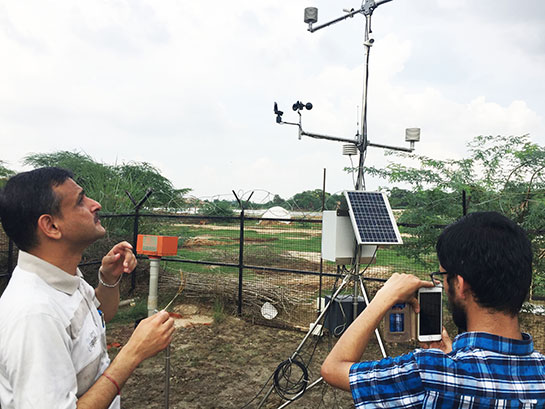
(372,218)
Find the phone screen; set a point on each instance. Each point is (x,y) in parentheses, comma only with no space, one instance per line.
(430,313)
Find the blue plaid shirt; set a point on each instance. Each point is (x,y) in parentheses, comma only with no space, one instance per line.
(482,371)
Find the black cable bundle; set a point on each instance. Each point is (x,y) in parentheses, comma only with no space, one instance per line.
(283,373)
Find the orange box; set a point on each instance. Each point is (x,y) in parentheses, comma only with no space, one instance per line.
(157,246)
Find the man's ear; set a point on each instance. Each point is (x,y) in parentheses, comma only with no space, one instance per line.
(48,228)
(462,286)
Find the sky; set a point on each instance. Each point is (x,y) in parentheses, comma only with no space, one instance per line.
(189,86)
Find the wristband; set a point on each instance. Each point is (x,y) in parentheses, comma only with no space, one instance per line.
(106,284)
(112,380)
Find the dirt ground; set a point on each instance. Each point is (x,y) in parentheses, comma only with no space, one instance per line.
(227,364)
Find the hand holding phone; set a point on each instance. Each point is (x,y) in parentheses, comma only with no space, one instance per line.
(430,318)
(444,345)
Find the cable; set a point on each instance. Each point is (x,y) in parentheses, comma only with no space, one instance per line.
(363,173)
(352,171)
(285,386)
(258,393)
(283,374)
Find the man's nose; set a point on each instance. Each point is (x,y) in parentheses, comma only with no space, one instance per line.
(96,206)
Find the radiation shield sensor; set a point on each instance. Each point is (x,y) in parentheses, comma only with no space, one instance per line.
(430,318)
(372,218)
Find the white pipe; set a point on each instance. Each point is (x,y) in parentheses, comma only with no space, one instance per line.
(153,281)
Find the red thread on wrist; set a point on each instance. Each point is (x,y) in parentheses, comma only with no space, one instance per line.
(112,380)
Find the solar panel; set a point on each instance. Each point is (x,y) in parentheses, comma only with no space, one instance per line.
(372,218)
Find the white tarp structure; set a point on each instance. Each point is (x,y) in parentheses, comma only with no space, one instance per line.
(276,212)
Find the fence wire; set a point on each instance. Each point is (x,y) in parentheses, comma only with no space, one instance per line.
(241,262)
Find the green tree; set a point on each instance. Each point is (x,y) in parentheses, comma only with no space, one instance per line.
(276,201)
(502,173)
(332,202)
(218,208)
(307,200)
(399,198)
(108,184)
(5,174)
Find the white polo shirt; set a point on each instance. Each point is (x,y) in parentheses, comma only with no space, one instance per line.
(52,338)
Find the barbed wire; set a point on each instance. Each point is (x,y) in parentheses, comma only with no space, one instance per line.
(262,199)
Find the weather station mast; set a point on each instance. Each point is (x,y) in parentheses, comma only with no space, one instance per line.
(361,141)
(365,223)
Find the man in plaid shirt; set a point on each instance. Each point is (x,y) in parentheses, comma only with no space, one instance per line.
(487,261)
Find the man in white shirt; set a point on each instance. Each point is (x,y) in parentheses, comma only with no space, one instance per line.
(52,334)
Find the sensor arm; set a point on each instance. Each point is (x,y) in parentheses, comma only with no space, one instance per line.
(366,9)
(318,136)
(346,140)
(349,14)
(328,137)
(300,126)
(394,148)
(379,2)
(358,143)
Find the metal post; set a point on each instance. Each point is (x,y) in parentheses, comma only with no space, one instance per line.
(134,240)
(464,203)
(321,259)
(377,333)
(355,292)
(241,251)
(363,141)
(240,261)
(137,206)
(167,376)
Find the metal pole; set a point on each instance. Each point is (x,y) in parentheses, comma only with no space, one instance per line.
(241,250)
(464,203)
(362,141)
(367,49)
(355,295)
(167,376)
(240,261)
(137,207)
(134,240)
(312,385)
(321,259)
(377,333)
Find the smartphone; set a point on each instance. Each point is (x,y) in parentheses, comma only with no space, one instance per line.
(430,318)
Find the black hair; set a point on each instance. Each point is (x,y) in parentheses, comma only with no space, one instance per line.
(493,254)
(25,197)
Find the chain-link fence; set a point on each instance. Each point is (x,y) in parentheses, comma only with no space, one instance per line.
(244,262)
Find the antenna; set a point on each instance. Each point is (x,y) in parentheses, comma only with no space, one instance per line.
(360,141)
